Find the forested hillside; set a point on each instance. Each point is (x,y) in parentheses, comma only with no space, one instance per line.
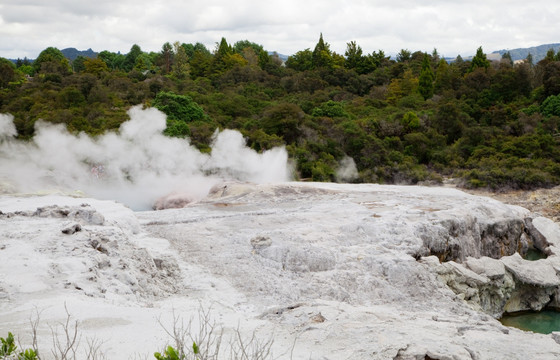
(409,120)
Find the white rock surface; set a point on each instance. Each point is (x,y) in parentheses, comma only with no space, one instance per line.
(327,270)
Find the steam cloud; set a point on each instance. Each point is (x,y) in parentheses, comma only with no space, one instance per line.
(347,170)
(135,166)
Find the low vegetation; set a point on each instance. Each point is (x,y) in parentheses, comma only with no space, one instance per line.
(206,339)
(416,118)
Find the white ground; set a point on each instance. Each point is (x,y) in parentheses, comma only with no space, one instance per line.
(324,270)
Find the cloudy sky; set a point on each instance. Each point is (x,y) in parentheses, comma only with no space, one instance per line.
(453,27)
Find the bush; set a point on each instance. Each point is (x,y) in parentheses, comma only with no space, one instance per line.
(551,106)
(8,350)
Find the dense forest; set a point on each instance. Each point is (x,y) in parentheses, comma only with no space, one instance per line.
(413,119)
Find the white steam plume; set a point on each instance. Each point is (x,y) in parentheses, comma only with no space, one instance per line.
(347,170)
(136,166)
(7,127)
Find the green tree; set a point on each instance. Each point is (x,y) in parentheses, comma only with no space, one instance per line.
(529,59)
(180,110)
(443,78)
(301,61)
(479,60)
(200,63)
(71,97)
(322,55)
(353,55)
(410,121)
(7,72)
(551,78)
(506,57)
(241,45)
(378,58)
(450,120)
(332,109)
(356,61)
(426,79)
(166,57)
(220,62)
(113,60)
(51,60)
(78,63)
(130,58)
(180,67)
(549,55)
(551,106)
(403,55)
(95,66)
(283,120)
(264,59)
(143,62)
(435,57)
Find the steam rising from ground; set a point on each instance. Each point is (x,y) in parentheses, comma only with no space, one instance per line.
(136,166)
(347,170)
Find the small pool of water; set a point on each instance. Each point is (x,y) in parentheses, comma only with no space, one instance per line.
(534,254)
(543,322)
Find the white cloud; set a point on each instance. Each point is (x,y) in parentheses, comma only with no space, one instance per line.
(29,26)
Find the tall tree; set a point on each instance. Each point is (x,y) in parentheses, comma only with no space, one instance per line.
(378,59)
(264,59)
(130,58)
(180,67)
(200,63)
(529,59)
(426,79)
(166,56)
(220,61)
(404,55)
(443,78)
(322,55)
(506,57)
(479,60)
(549,55)
(353,55)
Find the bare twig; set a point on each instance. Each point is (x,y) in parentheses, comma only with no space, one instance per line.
(34,321)
(93,350)
(66,350)
(209,338)
(252,348)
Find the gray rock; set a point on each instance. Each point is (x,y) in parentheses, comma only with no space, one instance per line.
(538,273)
(485,266)
(72,229)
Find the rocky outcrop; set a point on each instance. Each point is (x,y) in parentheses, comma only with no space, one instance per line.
(483,283)
(456,239)
(510,283)
(83,213)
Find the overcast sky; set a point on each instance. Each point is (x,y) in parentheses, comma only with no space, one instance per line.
(453,27)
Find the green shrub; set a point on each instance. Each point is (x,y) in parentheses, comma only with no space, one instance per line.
(9,348)
(169,354)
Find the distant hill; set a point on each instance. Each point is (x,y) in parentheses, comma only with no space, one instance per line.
(72,53)
(538,52)
(280,56)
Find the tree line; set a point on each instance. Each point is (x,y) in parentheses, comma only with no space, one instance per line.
(414,119)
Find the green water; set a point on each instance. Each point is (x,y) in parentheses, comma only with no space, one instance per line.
(534,254)
(543,322)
